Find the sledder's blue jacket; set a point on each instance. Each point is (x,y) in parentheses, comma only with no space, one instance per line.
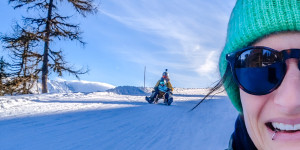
(164,89)
(240,139)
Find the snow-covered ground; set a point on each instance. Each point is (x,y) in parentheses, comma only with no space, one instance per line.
(109,121)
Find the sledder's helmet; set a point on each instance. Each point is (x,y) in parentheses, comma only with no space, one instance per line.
(165,74)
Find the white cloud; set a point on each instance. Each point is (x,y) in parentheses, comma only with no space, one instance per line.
(210,64)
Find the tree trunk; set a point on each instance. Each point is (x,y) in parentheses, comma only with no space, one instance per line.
(1,88)
(24,67)
(46,50)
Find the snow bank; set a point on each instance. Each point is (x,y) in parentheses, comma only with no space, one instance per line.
(195,91)
(129,90)
(140,91)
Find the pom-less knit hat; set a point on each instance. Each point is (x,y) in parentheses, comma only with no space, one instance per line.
(251,20)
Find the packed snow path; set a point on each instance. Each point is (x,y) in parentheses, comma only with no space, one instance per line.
(107,121)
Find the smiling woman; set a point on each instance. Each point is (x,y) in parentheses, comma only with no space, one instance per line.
(260,66)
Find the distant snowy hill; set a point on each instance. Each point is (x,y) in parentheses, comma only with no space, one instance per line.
(73,86)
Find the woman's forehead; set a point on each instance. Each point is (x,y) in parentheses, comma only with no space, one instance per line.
(280,41)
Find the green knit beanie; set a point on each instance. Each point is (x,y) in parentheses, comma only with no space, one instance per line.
(251,20)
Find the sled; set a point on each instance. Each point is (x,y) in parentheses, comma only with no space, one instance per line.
(160,96)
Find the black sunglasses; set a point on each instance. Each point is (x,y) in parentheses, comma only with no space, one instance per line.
(260,70)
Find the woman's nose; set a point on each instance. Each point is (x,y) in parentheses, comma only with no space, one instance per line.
(287,97)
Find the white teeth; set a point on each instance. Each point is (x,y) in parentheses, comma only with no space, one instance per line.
(286,127)
(297,127)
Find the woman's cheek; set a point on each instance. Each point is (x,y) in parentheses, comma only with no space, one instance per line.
(254,108)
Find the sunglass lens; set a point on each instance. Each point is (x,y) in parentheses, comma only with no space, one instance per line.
(259,71)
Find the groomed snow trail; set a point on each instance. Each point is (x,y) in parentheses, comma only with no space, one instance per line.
(106,121)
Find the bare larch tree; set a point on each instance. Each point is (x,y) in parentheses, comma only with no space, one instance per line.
(22,46)
(51,25)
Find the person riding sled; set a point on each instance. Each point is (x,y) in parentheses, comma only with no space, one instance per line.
(163,89)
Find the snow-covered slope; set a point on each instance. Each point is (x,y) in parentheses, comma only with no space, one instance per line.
(108,121)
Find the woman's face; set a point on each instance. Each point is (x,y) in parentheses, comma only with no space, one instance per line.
(281,107)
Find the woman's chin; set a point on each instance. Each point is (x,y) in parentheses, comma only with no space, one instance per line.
(285,140)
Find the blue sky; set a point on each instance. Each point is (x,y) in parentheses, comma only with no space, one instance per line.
(186,37)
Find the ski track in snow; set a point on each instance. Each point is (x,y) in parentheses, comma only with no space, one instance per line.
(108,121)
